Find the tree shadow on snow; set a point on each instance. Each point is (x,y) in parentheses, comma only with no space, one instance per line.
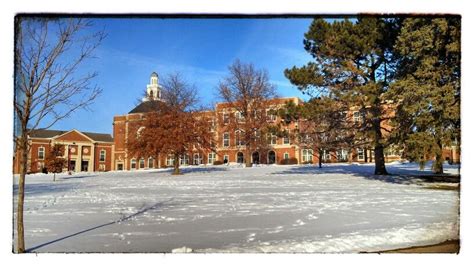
(44,188)
(143,210)
(74,177)
(191,170)
(397,175)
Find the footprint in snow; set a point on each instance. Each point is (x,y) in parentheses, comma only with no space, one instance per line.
(299,222)
(251,237)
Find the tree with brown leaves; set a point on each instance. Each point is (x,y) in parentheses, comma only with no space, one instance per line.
(176,127)
(55,162)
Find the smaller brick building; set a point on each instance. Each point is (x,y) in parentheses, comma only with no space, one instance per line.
(84,151)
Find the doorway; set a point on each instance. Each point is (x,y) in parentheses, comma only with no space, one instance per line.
(255,157)
(240,157)
(84,166)
(271,157)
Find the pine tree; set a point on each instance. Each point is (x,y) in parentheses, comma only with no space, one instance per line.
(428,87)
(353,64)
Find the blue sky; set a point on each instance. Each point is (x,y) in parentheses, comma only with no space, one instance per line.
(199,49)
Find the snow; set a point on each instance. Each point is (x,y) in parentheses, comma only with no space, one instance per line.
(340,208)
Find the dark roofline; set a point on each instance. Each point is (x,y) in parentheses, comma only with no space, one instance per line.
(49,133)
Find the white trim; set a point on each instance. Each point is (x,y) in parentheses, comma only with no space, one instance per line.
(224,139)
(42,151)
(75,130)
(100,156)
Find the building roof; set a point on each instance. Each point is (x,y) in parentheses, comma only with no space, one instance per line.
(146,107)
(46,133)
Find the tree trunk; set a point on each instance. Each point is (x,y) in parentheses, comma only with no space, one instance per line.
(21,193)
(248,161)
(350,155)
(378,151)
(320,158)
(438,163)
(176,165)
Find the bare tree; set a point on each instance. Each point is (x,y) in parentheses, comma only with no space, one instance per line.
(48,87)
(247,92)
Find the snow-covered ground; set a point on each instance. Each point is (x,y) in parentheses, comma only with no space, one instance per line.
(340,208)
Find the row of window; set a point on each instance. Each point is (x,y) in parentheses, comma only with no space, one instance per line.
(272,139)
(239,117)
(41,154)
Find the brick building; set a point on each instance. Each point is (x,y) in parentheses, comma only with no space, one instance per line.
(228,148)
(100,152)
(84,151)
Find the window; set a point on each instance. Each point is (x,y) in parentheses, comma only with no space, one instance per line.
(307,155)
(41,153)
(326,155)
(341,155)
(133,164)
(226,158)
(356,116)
(271,115)
(102,156)
(225,118)
(272,139)
(212,125)
(239,117)
(239,138)
(211,158)
(197,159)
(226,139)
(170,160)
(286,155)
(286,138)
(142,163)
(184,159)
(360,154)
(150,162)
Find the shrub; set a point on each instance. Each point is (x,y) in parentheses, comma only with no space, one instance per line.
(289,161)
(218,163)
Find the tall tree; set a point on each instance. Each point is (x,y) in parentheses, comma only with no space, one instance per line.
(353,63)
(48,85)
(428,86)
(55,162)
(246,92)
(177,126)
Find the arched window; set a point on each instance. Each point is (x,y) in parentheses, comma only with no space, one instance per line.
(142,163)
(140,131)
(150,162)
(133,164)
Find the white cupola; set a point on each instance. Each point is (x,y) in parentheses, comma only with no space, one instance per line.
(153,90)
